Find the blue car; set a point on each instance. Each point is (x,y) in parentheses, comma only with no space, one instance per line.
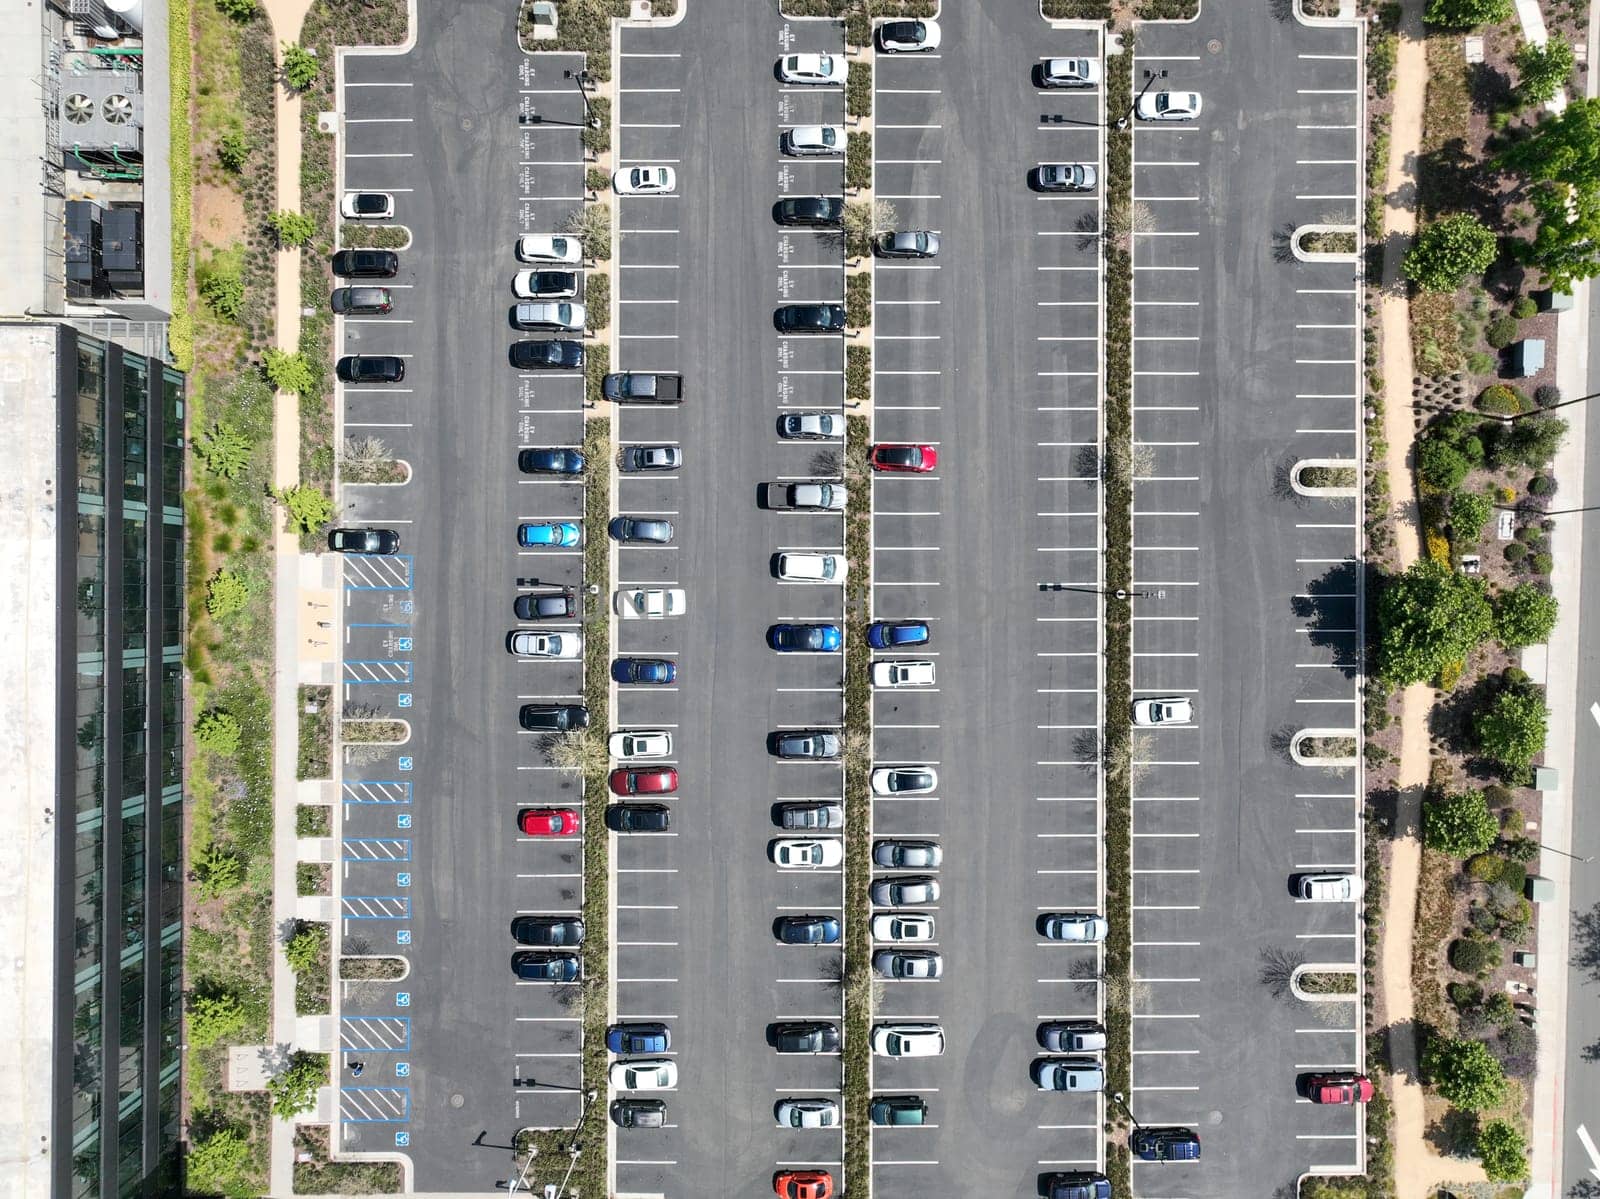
(551,462)
(564,533)
(644,670)
(805,638)
(638,1037)
(895,634)
(807,930)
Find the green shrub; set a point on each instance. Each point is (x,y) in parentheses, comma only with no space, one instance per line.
(292,228)
(596,180)
(1477,956)
(591,225)
(294,1088)
(1498,399)
(237,10)
(1525,615)
(309,507)
(1547,395)
(1480,363)
(223,449)
(1467,14)
(289,371)
(1521,850)
(1448,251)
(1541,563)
(1485,867)
(1531,442)
(1441,465)
(1464,1072)
(1514,552)
(1464,996)
(858,300)
(226,593)
(1523,307)
(222,288)
(218,870)
(858,90)
(1542,485)
(1503,1151)
(1511,727)
(300,67)
(1502,331)
(1513,875)
(233,149)
(596,302)
(305,948)
(217,731)
(1469,512)
(1459,824)
(858,372)
(214,1015)
(218,1164)
(1542,71)
(858,161)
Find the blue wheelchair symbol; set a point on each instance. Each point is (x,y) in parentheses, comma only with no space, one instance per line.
(403,644)
(402,1069)
(402,820)
(405,605)
(403,879)
(405,699)
(402,1140)
(402,936)
(405,763)
(402,999)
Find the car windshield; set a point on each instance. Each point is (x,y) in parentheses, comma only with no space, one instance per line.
(1163,102)
(369,202)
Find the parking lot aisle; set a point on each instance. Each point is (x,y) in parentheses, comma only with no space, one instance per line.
(699,273)
(434,865)
(1245,362)
(997,550)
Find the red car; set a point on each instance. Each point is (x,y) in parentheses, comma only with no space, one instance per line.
(918,459)
(550,822)
(803,1184)
(1339,1088)
(644,782)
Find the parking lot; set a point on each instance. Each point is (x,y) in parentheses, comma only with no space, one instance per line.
(1245,362)
(990,354)
(699,273)
(460,1054)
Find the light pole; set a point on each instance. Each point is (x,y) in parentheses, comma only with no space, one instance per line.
(514,1183)
(1123,1104)
(1149,78)
(1565,854)
(580,78)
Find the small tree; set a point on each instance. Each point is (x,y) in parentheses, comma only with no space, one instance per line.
(1503,1151)
(1464,1072)
(1530,442)
(304,949)
(1466,14)
(861,220)
(226,593)
(1429,617)
(1542,71)
(309,507)
(292,228)
(214,1015)
(1440,465)
(1525,615)
(222,288)
(1448,251)
(218,731)
(219,871)
(289,371)
(294,1088)
(224,450)
(214,1164)
(233,150)
(238,10)
(1460,825)
(300,67)
(1469,512)
(1511,727)
(591,225)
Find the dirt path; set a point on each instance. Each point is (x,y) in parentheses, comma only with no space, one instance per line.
(1417,1168)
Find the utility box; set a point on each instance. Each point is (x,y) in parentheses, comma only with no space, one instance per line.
(1540,889)
(1527,357)
(1551,300)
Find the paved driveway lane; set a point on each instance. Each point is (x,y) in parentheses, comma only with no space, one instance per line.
(1244,362)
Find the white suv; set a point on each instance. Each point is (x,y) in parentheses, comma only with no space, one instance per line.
(908,1040)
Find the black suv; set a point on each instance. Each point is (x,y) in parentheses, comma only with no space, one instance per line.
(806,1036)
(809,318)
(547,930)
(369,368)
(547,967)
(364,541)
(546,355)
(639,818)
(819,212)
(366,264)
(559,605)
(554,718)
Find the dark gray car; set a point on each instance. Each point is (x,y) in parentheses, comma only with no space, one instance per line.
(806,743)
(639,1113)
(633,528)
(907,243)
(806,1036)
(811,815)
(907,889)
(554,718)
(651,457)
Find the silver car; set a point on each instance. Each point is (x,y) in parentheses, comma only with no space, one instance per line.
(807,1113)
(1065,177)
(908,855)
(1070,72)
(908,964)
(808,140)
(650,457)
(811,426)
(905,890)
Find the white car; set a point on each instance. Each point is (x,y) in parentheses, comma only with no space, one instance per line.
(811,68)
(904,780)
(908,1040)
(1168,106)
(795,853)
(909,928)
(650,603)
(810,426)
(646,1074)
(1070,72)
(542,247)
(526,644)
(545,285)
(640,745)
(804,140)
(903,672)
(1065,177)
(1083,927)
(644,181)
(367,206)
(811,568)
(808,1113)
(1329,888)
(908,37)
(1160,710)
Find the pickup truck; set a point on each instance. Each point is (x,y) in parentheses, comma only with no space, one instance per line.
(649,603)
(804,497)
(642,387)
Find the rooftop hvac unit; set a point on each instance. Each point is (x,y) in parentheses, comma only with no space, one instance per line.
(102,111)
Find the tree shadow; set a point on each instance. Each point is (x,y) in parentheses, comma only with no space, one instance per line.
(1451,718)
(1329,616)
(1491,88)
(1455,1134)
(1454,180)
(1385,804)
(1585,951)
(1283,243)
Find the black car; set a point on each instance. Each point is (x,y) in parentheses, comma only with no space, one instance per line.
(906,243)
(806,1036)
(556,284)
(651,457)
(370,368)
(366,264)
(811,815)
(558,605)
(547,930)
(547,967)
(806,743)
(551,461)
(803,638)
(897,1109)
(809,318)
(554,718)
(639,1113)
(546,355)
(364,541)
(368,300)
(806,930)
(1164,1144)
(820,212)
(639,818)
(633,528)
